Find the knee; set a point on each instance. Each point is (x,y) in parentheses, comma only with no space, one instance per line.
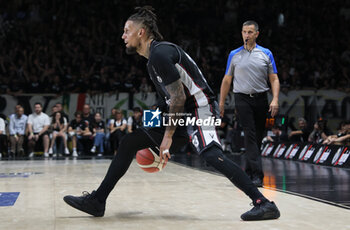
(213,155)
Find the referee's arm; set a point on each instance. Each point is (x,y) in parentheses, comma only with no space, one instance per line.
(275,88)
(224,89)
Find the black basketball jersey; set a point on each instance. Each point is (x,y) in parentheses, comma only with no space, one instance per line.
(168,63)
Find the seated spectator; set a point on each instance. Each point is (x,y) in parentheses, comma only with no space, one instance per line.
(99,134)
(17,128)
(320,132)
(107,137)
(3,147)
(78,129)
(87,115)
(278,134)
(302,134)
(57,126)
(59,108)
(145,88)
(342,137)
(38,125)
(117,129)
(135,121)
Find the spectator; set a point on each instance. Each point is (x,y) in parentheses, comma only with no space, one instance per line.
(59,108)
(3,147)
(53,110)
(38,125)
(135,121)
(108,122)
(344,139)
(225,133)
(341,138)
(117,129)
(320,132)
(17,128)
(302,134)
(58,127)
(75,130)
(99,134)
(145,88)
(87,116)
(278,135)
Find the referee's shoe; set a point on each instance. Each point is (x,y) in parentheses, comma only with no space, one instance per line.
(87,203)
(263,210)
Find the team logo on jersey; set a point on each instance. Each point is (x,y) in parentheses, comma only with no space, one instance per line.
(151,118)
(195,141)
(159,79)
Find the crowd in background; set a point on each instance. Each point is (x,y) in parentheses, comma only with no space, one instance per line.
(87,134)
(54,134)
(75,46)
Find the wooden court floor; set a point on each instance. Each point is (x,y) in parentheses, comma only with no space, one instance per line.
(177,198)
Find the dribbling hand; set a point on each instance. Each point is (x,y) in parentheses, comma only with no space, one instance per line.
(164,153)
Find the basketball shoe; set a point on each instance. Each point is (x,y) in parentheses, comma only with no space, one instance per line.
(87,203)
(263,210)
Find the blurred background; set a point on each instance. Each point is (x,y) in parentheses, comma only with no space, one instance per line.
(71,52)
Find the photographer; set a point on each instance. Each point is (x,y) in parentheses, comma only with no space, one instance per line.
(320,132)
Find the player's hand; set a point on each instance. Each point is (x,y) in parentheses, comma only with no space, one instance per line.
(164,153)
(222,109)
(273,108)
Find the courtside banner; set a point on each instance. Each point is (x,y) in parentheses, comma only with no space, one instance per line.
(341,157)
(308,153)
(292,151)
(283,148)
(325,154)
(268,149)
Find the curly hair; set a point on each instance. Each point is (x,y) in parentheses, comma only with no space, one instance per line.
(148,19)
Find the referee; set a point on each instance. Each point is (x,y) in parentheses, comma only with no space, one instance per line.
(251,66)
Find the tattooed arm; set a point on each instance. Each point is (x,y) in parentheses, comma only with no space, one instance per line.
(177,102)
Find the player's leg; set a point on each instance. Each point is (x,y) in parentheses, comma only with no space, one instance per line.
(263,208)
(213,156)
(94,203)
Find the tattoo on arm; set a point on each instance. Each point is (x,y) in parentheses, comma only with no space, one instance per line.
(177,102)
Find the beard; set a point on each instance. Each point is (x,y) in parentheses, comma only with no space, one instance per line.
(130,50)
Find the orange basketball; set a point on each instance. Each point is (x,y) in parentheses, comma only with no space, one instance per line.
(149,161)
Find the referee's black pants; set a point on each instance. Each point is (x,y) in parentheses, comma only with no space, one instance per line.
(141,139)
(252,112)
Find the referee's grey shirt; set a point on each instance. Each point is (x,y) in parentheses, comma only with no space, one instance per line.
(250,69)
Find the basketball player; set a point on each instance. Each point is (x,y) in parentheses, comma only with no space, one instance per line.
(184,89)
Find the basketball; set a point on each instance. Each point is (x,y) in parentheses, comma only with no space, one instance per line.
(149,161)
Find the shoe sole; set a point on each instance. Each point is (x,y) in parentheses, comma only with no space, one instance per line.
(77,206)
